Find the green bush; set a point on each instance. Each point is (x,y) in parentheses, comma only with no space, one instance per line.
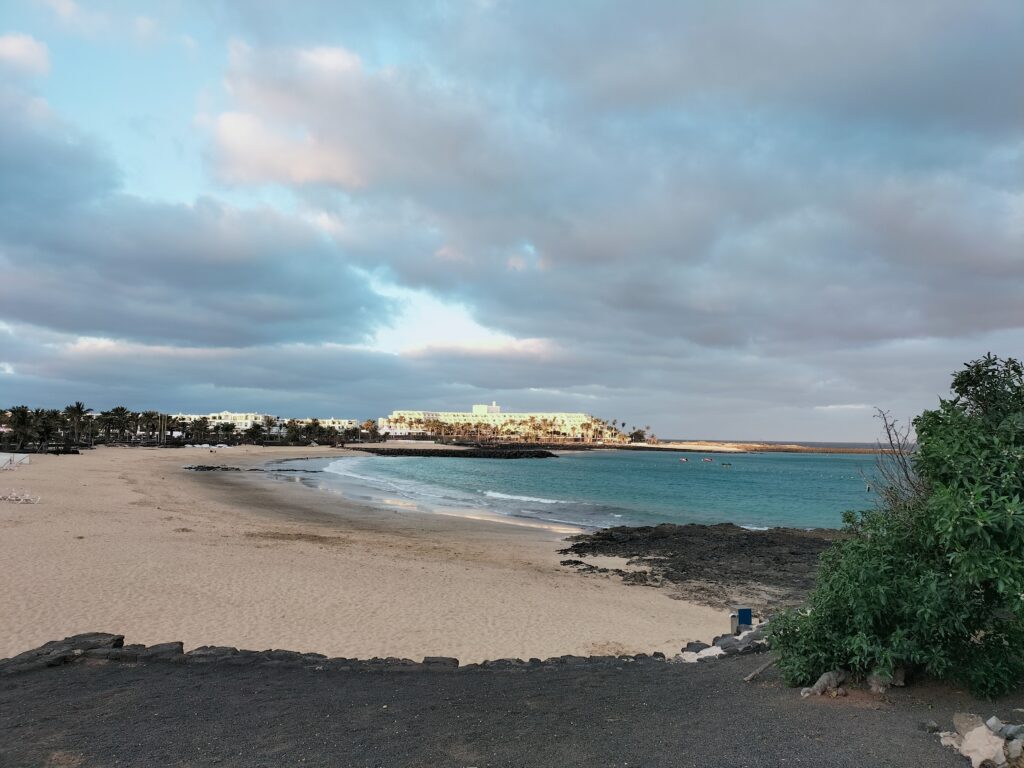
(934,580)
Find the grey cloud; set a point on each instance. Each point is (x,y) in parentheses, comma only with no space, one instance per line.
(772,231)
(718,220)
(697,393)
(78,256)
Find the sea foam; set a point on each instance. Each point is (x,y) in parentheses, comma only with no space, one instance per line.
(513,497)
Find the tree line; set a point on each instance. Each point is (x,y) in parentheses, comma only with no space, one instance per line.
(532,429)
(77,425)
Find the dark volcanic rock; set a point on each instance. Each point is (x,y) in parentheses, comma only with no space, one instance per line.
(694,647)
(207,653)
(57,652)
(162,652)
(440,661)
(720,565)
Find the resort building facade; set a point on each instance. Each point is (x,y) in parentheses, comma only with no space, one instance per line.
(489,422)
(244,421)
(338,424)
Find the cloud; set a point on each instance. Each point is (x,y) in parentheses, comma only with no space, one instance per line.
(742,235)
(144,27)
(24,53)
(122,267)
(319,116)
(74,16)
(724,224)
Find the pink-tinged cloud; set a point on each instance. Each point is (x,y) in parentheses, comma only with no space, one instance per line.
(24,53)
(253,152)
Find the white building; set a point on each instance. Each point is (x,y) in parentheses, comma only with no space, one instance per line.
(338,424)
(488,421)
(242,421)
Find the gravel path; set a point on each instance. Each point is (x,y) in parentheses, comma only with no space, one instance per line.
(119,714)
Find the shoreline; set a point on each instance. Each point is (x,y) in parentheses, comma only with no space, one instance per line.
(563,496)
(128,540)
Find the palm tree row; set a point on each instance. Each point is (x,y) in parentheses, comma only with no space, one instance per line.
(76,425)
(531,429)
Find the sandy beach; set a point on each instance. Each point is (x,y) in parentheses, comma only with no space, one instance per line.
(127,541)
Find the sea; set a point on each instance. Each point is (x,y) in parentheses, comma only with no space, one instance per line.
(598,489)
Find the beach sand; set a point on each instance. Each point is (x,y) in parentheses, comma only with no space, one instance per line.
(125,540)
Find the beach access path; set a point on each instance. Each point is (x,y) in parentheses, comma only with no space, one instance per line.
(126,539)
(656,715)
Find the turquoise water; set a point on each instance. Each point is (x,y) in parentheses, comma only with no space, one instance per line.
(605,488)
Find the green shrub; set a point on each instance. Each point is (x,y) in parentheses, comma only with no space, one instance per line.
(934,582)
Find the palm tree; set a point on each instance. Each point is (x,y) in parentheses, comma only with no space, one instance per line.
(47,423)
(150,421)
(21,425)
(121,420)
(269,425)
(104,423)
(313,430)
(292,431)
(200,429)
(173,425)
(75,414)
(255,431)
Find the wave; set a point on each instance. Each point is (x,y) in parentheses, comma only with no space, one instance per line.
(513,497)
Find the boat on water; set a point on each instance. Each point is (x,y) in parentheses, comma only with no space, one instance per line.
(707,459)
(684,460)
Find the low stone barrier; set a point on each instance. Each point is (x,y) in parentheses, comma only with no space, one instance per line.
(749,640)
(98,647)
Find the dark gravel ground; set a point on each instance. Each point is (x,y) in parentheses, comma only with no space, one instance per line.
(653,714)
(719,565)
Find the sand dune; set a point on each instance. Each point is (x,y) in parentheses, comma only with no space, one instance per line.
(125,540)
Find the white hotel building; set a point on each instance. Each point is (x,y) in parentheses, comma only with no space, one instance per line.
(243,421)
(574,426)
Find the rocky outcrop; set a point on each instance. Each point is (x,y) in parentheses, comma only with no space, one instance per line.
(719,565)
(57,652)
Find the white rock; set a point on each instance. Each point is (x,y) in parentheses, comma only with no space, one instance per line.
(1014,749)
(951,739)
(980,745)
(714,650)
(965,722)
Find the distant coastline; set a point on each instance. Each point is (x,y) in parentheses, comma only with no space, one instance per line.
(725,446)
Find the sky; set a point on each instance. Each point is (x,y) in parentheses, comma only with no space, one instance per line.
(723,220)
